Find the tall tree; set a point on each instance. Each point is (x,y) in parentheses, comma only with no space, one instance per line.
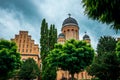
(105,11)
(106,44)
(106,63)
(47,41)
(48,38)
(9,58)
(77,54)
(44,39)
(29,70)
(52,36)
(105,67)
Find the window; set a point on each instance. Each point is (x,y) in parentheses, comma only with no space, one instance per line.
(27,46)
(18,50)
(22,50)
(24,41)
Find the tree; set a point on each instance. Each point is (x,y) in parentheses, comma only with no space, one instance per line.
(44,39)
(105,67)
(77,54)
(105,11)
(47,41)
(106,44)
(52,36)
(106,64)
(9,58)
(118,49)
(29,70)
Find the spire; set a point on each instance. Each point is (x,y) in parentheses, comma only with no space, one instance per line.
(69,14)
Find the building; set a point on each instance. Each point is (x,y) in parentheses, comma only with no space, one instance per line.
(27,47)
(70,30)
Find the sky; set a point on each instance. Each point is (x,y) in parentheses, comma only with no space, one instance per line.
(27,15)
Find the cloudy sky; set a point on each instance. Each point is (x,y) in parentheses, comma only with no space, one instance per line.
(16,15)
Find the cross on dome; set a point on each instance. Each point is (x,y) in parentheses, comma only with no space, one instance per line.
(69,14)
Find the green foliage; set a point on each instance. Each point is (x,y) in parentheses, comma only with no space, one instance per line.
(52,36)
(47,41)
(29,70)
(77,54)
(106,44)
(49,73)
(106,64)
(9,58)
(44,39)
(106,11)
(118,49)
(105,67)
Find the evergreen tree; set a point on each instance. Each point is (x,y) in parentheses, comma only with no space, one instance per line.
(47,41)
(106,44)
(106,65)
(52,36)
(44,39)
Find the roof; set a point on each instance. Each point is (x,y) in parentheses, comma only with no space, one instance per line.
(61,35)
(86,36)
(69,21)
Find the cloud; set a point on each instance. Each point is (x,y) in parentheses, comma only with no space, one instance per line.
(27,8)
(11,22)
(56,12)
(27,15)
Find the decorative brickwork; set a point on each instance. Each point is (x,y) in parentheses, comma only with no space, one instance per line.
(27,47)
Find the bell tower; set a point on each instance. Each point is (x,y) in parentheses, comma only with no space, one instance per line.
(70,28)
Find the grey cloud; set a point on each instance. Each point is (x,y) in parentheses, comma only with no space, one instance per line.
(29,14)
(24,6)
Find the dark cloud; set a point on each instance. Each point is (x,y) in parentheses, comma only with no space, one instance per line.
(26,7)
(28,14)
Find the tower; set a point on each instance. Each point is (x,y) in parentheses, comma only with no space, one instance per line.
(61,38)
(70,29)
(86,38)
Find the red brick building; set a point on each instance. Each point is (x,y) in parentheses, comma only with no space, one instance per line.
(26,46)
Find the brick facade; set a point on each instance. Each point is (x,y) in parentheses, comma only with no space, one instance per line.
(27,47)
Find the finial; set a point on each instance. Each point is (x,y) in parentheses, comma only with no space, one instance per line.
(85,32)
(69,14)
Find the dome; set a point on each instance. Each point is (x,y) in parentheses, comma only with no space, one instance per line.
(69,21)
(61,35)
(86,36)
